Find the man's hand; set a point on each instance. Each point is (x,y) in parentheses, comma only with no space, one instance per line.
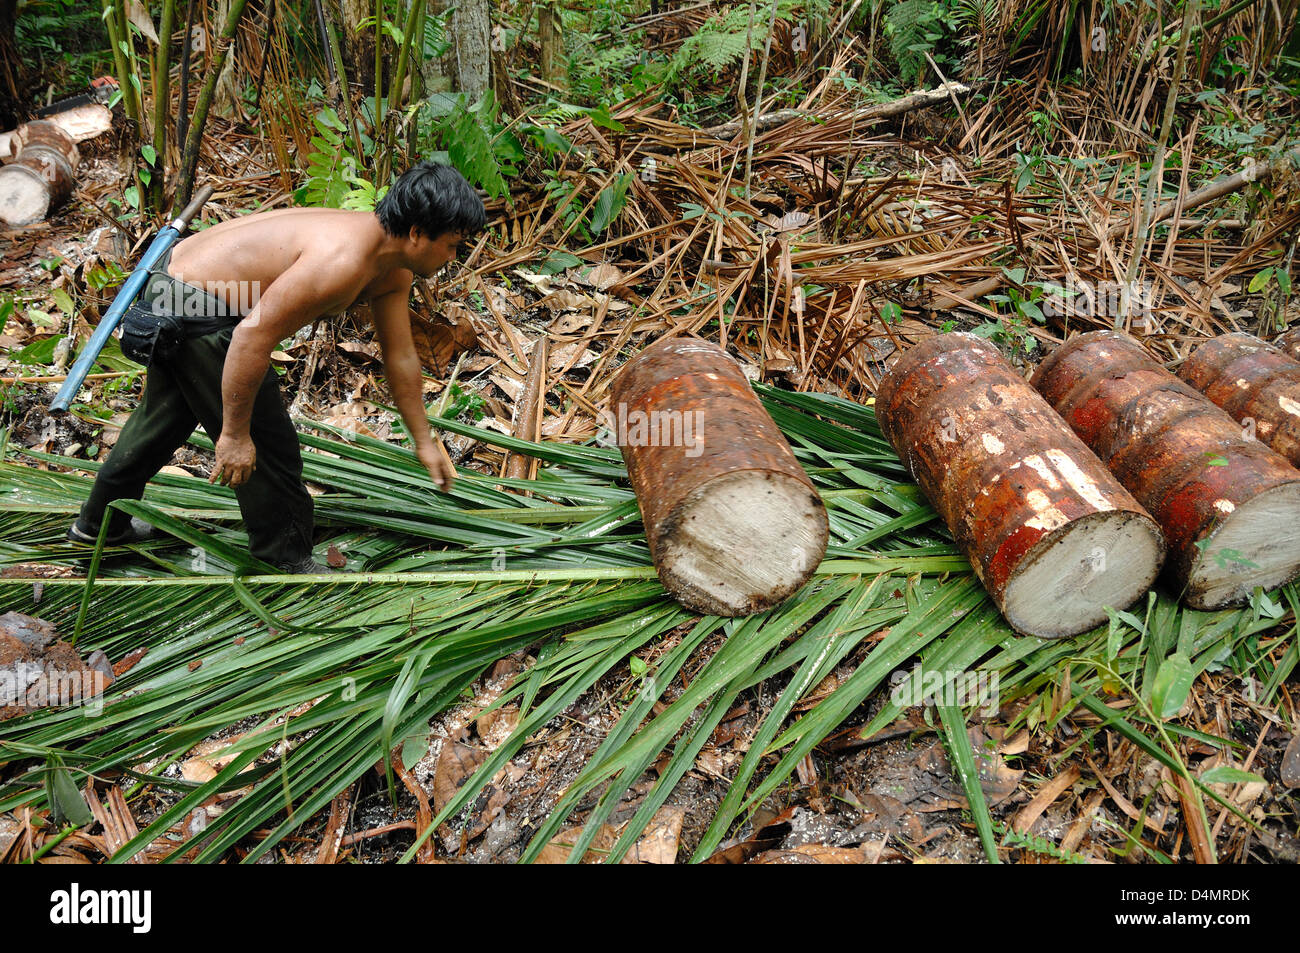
(434,457)
(236,461)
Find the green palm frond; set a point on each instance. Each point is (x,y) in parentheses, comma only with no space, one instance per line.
(338,670)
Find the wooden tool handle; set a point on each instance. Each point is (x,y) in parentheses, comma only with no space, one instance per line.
(183,219)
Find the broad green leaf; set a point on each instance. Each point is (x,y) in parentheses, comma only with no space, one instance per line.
(1223,774)
(1173,683)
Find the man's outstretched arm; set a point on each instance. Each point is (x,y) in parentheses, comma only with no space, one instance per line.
(402,366)
(300,295)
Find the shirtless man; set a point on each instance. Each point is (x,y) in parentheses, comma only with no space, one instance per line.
(279,271)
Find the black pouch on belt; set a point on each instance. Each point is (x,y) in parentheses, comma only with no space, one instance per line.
(170,311)
(149,333)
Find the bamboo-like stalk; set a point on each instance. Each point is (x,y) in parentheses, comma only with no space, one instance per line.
(114,26)
(930,565)
(409,33)
(758,97)
(345,92)
(183,113)
(417,75)
(379,67)
(1156,177)
(190,159)
(161,103)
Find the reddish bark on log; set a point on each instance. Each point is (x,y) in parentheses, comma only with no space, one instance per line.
(1256,384)
(1227,504)
(734,524)
(1052,535)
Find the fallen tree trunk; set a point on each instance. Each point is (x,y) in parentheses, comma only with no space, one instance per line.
(1226,503)
(1255,383)
(1052,535)
(918,100)
(1229,184)
(734,524)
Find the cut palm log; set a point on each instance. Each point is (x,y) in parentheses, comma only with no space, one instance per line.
(1052,535)
(1257,384)
(734,524)
(42,176)
(1227,504)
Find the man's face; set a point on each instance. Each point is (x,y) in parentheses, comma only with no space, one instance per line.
(432,253)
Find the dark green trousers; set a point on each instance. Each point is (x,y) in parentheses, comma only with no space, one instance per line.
(185,390)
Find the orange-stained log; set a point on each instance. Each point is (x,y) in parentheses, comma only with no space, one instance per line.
(1050,532)
(734,524)
(1228,505)
(1257,384)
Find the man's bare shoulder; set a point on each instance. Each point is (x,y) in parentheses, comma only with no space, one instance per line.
(394,281)
(262,245)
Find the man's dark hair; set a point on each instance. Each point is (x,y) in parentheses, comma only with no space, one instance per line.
(434,198)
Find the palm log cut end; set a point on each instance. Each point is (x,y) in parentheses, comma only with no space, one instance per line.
(1227,504)
(1254,544)
(742,543)
(1065,584)
(733,523)
(1052,534)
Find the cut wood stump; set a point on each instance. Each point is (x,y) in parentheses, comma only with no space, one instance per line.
(734,524)
(1257,384)
(1050,532)
(1227,504)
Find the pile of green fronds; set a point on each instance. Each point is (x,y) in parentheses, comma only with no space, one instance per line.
(356,666)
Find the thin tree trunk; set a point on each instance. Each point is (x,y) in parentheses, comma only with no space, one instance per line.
(437,70)
(12,75)
(471,29)
(357,44)
(551,39)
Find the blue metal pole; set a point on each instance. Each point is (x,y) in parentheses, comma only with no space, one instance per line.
(129,291)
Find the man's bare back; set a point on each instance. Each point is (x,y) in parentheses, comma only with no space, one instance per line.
(240,258)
